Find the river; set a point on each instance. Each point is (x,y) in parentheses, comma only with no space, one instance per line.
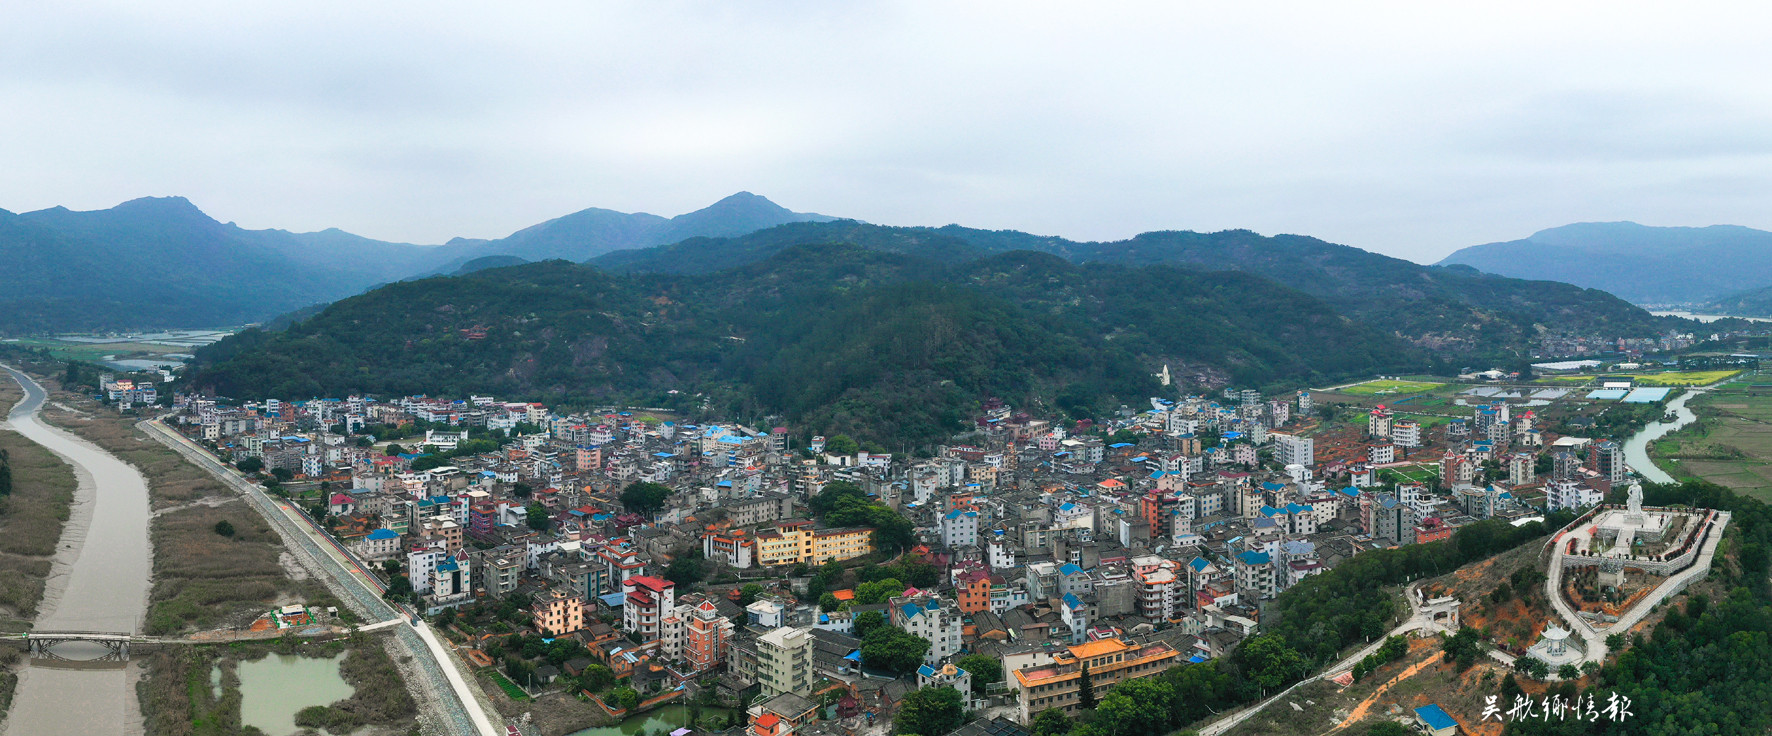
(99,582)
(1636,449)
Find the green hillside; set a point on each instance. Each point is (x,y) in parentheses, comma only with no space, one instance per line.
(1451,311)
(840,338)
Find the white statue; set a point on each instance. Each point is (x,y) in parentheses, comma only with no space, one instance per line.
(1635,498)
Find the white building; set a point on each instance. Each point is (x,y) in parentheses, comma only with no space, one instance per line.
(959,528)
(932,619)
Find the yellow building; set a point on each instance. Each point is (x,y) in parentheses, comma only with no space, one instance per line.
(796,541)
(1056,685)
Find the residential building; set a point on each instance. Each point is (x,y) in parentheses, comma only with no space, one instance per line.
(931,618)
(558,614)
(784,661)
(1110,661)
(648,600)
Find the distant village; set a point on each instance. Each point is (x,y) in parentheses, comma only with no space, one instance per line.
(697,555)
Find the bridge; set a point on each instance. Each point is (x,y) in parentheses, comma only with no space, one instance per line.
(42,644)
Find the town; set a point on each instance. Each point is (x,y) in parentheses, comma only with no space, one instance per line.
(629,559)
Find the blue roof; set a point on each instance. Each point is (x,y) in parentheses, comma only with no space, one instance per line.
(1253,558)
(1350,491)
(926,671)
(1118,445)
(1267,486)
(1071,601)
(383,534)
(1293,508)
(1196,659)
(613,600)
(1066,506)
(1070,568)
(1271,511)
(1198,563)
(1435,717)
(911,610)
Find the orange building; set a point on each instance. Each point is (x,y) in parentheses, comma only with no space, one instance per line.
(1057,685)
(975,591)
(557,614)
(706,638)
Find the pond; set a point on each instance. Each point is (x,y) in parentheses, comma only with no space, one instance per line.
(662,721)
(274,689)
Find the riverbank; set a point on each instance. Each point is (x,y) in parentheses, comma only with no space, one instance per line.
(1729,444)
(202,579)
(183,695)
(32,517)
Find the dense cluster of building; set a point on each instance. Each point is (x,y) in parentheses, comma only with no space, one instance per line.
(1127,545)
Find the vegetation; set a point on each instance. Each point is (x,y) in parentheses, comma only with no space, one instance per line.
(842,503)
(893,649)
(931,711)
(32,514)
(883,347)
(644,498)
(984,669)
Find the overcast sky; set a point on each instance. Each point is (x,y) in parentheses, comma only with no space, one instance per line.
(1404,128)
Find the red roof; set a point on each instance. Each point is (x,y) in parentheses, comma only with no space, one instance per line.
(340,498)
(658,585)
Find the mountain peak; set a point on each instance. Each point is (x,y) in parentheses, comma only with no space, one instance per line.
(167,207)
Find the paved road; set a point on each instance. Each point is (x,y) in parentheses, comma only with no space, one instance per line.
(465,714)
(1416,621)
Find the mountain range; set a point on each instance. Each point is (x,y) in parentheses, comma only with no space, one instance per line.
(882,345)
(161,262)
(1691,266)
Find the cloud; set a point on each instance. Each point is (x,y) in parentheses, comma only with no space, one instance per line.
(1406,128)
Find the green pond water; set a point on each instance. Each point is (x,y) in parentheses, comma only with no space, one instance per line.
(662,720)
(273,689)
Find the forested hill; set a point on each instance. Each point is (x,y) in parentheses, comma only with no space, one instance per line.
(1453,311)
(889,346)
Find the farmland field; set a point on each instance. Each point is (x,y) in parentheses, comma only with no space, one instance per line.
(1384,386)
(1670,378)
(1731,445)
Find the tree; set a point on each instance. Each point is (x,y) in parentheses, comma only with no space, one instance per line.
(1086,690)
(394,450)
(845,445)
(931,711)
(282,474)
(1568,671)
(1532,667)
(893,649)
(1135,708)
(5,479)
(868,594)
(250,465)
(1271,663)
(625,698)
(224,528)
(828,602)
(984,669)
(645,498)
(537,516)
(749,593)
(596,677)
(1051,722)
(521,490)
(1464,647)
(867,621)
(687,568)
(1387,728)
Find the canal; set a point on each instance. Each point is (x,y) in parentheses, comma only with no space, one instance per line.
(98,581)
(1636,449)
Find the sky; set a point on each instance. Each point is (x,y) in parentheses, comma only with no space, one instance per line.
(1410,129)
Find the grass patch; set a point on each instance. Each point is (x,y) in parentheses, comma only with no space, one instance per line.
(31,521)
(1387,387)
(504,683)
(1669,378)
(179,699)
